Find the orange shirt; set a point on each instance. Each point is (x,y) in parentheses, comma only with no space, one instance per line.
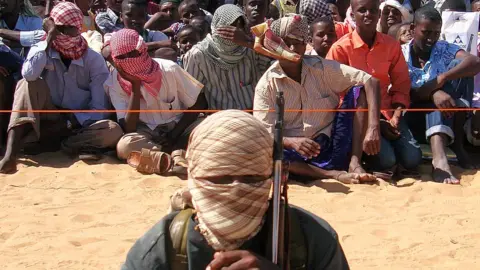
(342,29)
(383,61)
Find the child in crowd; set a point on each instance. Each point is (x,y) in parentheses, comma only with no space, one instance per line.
(134,16)
(187,10)
(401,32)
(441,76)
(187,38)
(202,24)
(323,35)
(335,14)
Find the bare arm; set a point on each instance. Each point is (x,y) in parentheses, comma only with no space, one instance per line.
(159,21)
(372,91)
(131,118)
(10,35)
(469,67)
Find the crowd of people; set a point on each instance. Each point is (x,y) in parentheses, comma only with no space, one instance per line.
(137,55)
(160,64)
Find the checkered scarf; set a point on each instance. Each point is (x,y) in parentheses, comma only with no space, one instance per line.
(313,9)
(269,36)
(143,66)
(230,143)
(225,53)
(67,13)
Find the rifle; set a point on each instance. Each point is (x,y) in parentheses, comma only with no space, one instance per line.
(280,228)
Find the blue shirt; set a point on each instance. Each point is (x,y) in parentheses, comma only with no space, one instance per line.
(30,30)
(80,87)
(442,54)
(108,22)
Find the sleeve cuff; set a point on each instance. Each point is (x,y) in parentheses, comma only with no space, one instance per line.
(29,38)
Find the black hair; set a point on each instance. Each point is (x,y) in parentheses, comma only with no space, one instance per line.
(191,28)
(454,5)
(140,3)
(323,19)
(429,13)
(394,29)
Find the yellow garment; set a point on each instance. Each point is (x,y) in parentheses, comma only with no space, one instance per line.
(94,40)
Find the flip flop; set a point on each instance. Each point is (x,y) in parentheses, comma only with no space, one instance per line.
(150,161)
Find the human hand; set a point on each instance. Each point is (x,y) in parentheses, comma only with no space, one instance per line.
(304,146)
(444,101)
(371,143)
(234,34)
(134,80)
(390,132)
(395,120)
(239,260)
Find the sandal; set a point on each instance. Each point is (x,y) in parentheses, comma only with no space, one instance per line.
(386,175)
(180,164)
(150,161)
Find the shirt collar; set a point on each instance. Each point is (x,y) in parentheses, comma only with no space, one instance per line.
(56,55)
(358,41)
(308,62)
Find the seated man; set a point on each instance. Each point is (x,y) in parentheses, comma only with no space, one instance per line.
(318,144)
(142,83)
(20,28)
(230,177)
(61,73)
(441,75)
(228,71)
(109,21)
(381,56)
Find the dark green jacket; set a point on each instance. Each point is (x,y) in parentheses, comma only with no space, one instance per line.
(149,252)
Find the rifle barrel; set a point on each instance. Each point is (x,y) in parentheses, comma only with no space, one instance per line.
(277,241)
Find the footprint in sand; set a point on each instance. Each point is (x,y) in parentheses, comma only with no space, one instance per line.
(82,218)
(151,182)
(86,241)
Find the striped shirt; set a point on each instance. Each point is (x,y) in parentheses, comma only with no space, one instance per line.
(227,89)
(179,91)
(322,83)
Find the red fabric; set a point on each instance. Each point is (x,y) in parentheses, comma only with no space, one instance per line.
(66,13)
(143,66)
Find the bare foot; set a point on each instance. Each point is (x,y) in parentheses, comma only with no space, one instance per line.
(8,166)
(441,173)
(362,174)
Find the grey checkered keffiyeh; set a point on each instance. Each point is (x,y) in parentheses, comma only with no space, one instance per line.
(230,143)
(313,9)
(226,54)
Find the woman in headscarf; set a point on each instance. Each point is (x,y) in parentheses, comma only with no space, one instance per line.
(321,145)
(228,71)
(230,177)
(392,12)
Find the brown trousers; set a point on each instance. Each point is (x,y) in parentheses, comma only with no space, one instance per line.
(35,95)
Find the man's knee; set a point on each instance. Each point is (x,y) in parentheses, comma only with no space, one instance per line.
(127,144)
(108,133)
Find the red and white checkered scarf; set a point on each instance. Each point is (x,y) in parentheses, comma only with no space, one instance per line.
(230,143)
(67,13)
(143,66)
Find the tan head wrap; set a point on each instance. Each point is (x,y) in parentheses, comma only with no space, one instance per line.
(230,143)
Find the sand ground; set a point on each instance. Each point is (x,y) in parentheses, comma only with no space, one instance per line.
(61,214)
